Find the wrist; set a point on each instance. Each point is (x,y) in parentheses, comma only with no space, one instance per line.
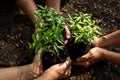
(25,72)
(105,54)
(101,42)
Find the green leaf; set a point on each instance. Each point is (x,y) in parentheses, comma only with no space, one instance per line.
(83,27)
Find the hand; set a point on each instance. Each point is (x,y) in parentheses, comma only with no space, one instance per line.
(66,35)
(57,71)
(37,65)
(100,42)
(93,56)
(107,40)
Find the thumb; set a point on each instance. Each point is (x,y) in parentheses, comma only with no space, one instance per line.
(67,32)
(66,35)
(38,55)
(65,65)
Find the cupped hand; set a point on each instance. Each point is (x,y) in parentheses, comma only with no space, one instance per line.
(59,71)
(93,56)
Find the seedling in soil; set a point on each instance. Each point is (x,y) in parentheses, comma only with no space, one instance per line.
(83,31)
(49,35)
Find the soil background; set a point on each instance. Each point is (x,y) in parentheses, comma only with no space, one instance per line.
(16,30)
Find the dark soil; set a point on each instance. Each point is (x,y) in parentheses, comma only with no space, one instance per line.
(16,30)
(49,58)
(76,50)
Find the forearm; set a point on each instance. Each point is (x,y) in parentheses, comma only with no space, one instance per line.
(54,4)
(16,73)
(111,56)
(29,7)
(109,40)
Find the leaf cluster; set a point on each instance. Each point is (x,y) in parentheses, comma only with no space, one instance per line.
(83,28)
(49,33)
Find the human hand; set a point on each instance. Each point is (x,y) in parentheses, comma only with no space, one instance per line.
(37,65)
(104,42)
(66,35)
(98,42)
(57,71)
(94,55)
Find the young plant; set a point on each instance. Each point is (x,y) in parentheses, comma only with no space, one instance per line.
(83,28)
(83,31)
(48,33)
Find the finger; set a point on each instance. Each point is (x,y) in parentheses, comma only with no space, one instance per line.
(67,72)
(38,69)
(40,52)
(65,41)
(66,35)
(41,22)
(69,60)
(65,65)
(84,57)
(89,62)
(84,64)
(37,62)
(38,55)
(94,60)
(67,32)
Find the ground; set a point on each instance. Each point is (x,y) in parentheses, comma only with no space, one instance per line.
(16,30)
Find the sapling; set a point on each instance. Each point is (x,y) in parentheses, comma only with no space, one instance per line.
(83,32)
(48,33)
